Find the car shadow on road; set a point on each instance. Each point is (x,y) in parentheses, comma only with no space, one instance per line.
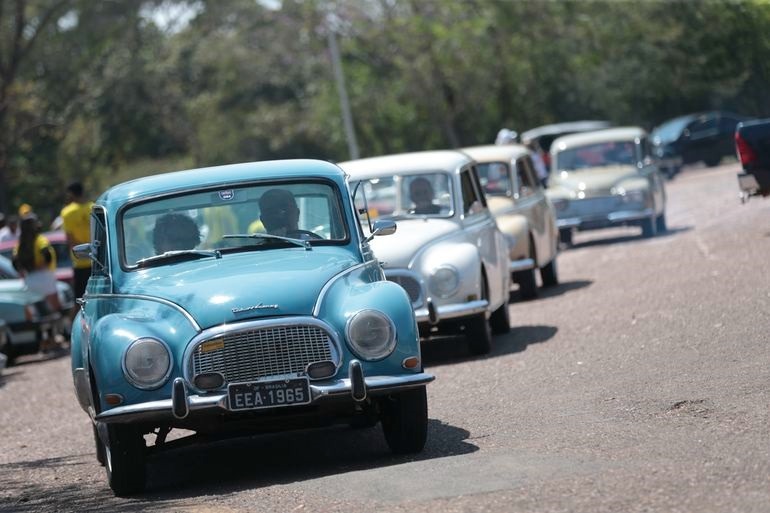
(453,350)
(618,239)
(549,292)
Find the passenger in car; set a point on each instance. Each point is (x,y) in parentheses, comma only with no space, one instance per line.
(421,194)
(175,232)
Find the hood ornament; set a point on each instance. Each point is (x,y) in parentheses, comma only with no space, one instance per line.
(260,306)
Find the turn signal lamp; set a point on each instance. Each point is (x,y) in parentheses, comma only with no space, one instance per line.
(413,362)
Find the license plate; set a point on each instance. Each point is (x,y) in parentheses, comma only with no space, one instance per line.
(268,394)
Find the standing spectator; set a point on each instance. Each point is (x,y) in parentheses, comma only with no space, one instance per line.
(537,159)
(76,222)
(11,230)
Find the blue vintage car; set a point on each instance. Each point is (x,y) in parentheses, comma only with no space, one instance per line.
(240,299)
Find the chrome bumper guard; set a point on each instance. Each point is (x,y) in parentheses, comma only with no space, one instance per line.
(523,264)
(182,403)
(453,311)
(618,217)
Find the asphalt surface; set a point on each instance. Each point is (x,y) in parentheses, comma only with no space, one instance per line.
(640,384)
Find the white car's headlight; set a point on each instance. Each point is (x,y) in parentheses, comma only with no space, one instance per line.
(147,363)
(371,334)
(444,281)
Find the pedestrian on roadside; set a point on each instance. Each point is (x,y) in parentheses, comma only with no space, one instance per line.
(11,229)
(76,222)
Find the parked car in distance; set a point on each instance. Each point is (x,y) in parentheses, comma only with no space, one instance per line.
(29,319)
(58,240)
(606,178)
(522,210)
(752,143)
(542,137)
(701,136)
(448,253)
(234,300)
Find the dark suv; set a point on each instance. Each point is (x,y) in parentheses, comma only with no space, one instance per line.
(700,137)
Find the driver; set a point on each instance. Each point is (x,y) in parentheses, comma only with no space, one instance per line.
(279,214)
(421,194)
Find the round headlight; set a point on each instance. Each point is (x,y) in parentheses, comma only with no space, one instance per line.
(371,334)
(147,363)
(444,281)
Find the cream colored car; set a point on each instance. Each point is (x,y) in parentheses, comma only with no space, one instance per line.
(522,211)
(606,178)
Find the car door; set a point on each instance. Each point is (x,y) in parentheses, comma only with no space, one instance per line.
(530,201)
(481,230)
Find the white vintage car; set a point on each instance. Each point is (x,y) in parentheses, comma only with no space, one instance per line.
(606,178)
(524,214)
(447,252)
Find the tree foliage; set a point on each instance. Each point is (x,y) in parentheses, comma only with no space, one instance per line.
(102,91)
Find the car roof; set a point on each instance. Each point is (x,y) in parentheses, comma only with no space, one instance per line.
(231,174)
(569,126)
(406,163)
(496,152)
(626,133)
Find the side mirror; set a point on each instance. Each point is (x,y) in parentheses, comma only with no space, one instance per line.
(382,227)
(82,251)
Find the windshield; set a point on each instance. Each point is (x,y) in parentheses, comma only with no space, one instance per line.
(612,153)
(495,178)
(198,221)
(670,130)
(408,195)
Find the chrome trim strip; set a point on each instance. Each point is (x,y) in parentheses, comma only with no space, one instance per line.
(216,404)
(612,217)
(280,322)
(333,280)
(523,264)
(166,302)
(454,311)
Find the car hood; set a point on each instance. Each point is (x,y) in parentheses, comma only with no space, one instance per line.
(244,285)
(595,180)
(397,250)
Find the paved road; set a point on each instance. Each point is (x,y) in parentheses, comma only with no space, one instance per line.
(641,383)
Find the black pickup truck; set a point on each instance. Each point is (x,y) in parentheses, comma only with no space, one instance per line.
(752,142)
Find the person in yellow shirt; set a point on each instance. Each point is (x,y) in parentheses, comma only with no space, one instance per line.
(76,223)
(35,259)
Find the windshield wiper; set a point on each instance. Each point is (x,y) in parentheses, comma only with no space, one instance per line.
(178,255)
(265,236)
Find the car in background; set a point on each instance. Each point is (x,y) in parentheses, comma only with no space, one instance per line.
(540,138)
(448,253)
(705,137)
(523,213)
(29,318)
(58,240)
(239,332)
(606,178)
(752,143)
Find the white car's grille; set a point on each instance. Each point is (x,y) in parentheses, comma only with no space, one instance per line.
(410,285)
(261,353)
(598,205)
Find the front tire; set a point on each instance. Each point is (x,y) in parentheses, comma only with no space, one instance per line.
(404,418)
(500,322)
(101,453)
(125,459)
(648,228)
(479,334)
(660,223)
(565,236)
(550,274)
(527,283)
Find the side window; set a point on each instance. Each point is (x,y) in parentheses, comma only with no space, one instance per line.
(471,201)
(526,183)
(99,248)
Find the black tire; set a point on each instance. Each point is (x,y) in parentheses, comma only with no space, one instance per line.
(660,223)
(648,228)
(565,236)
(101,453)
(404,419)
(713,161)
(550,274)
(500,322)
(478,332)
(125,459)
(527,283)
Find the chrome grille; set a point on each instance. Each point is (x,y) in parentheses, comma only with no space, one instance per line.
(410,285)
(264,352)
(597,205)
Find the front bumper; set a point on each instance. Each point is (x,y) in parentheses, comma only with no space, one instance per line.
(604,220)
(182,404)
(434,314)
